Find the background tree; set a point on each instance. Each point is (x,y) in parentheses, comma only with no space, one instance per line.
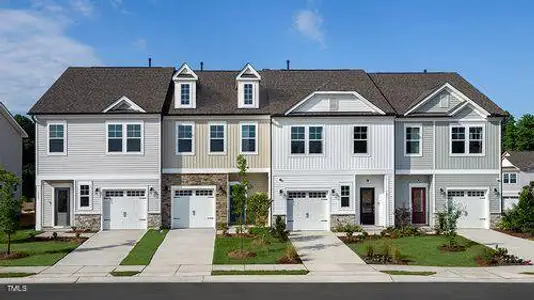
(525,133)
(509,134)
(9,205)
(28,156)
(521,217)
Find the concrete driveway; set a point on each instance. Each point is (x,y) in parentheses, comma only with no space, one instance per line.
(105,248)
(517,246)
(186,247)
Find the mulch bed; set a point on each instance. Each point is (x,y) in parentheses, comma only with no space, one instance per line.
(516,234)
(241,254)
(289,260)
(60,239)
(12,255)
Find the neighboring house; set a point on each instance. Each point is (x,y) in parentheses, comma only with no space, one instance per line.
(517,172)
(328,146)
(98,148)
(11,135)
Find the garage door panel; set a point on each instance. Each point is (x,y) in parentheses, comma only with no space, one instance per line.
(307,210)
(193,208)
(125,209)
(473,204)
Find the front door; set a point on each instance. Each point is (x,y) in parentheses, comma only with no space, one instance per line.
(62,206)
(418,205)
(367,206)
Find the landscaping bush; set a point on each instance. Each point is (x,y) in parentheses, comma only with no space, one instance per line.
(290,256)
(521,217)
(403,217)
(448,221)
(499,257)
(223,227)
(441,222)
(386,254)
(400,232)
(279,230)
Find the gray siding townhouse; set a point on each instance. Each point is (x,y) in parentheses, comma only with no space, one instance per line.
(11,135)
(517,172)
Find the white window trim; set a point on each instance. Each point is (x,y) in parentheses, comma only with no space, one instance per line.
(508,175)
(224,152)
(291,139)
(351,196)
(255,139)
(192,124)
(420,126)
(190,95)
(368,153)
(307,145)
(78,195)
(125,137)
(466,141)
(255,93)
(64,138)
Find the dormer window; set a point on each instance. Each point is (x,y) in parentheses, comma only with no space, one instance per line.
(185,86)
(248,83)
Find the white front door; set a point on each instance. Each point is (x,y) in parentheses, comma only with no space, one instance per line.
(473,205)
(125,209)
(193,208)
(307,211)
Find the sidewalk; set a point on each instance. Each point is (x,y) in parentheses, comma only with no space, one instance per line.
(522,248)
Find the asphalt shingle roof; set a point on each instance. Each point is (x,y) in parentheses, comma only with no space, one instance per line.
(524,160)
(93,89)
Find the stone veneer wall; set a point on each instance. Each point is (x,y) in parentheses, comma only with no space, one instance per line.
(335,220)
(154,220)
(494,219)
(221,197)
(87,221)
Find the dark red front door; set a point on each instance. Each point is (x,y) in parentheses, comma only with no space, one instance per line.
(418,205)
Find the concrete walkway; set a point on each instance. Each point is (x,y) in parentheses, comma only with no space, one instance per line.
(185,247)
(324,254)
(105,248)
(517,246)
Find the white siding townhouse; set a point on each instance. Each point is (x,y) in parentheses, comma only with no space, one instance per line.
(517,172)
(141,147)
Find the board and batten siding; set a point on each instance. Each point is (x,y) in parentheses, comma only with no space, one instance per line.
(425,161)
(11,149)
(86,148)
(202,159)
(332,102)
(338,137)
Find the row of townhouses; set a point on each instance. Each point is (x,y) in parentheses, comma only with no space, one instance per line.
(121,147)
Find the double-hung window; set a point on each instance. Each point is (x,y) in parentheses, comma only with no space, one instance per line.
(298,140)
(184,138)
(509,178)
(185,94)
(217,138)
(467,139)
(345,196)
(360,139)
(56,138)
(125,138)
(84,195)
(248,94)
(412,137)
(315,139)
(249,138)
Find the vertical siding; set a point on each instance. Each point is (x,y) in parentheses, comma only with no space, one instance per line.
(432,106)
(86,149)
(491,159)
(47,199)
(402,188)
(425,161)
(338,145)
(321,103)
(259,182)
(202,159)
(445,181)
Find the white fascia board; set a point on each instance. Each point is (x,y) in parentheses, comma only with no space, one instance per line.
(248,67)
(124,99)
(187,70)
(12,121)
(354,93)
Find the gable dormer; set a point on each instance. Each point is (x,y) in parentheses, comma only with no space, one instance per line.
(124,105)
(248,88)
(185,88)
(335,102)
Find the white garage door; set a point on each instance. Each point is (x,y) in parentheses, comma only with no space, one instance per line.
(125,209)
(474,205)
(307,211)
(193,208)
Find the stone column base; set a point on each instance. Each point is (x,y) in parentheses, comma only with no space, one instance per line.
(87,222)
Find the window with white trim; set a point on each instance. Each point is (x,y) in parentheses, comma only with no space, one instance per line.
(184,139)
(360,140)
(475,193)
(56,138)
(125,138)
(298,140)
(185,94)
(84,195)
(315,139)
(248,94)
(412,138)
(248,138)
(444,100)
(345,196)
(114,193)
(217,138)
(455,193)
(135,193)
(467,139)
(509,178)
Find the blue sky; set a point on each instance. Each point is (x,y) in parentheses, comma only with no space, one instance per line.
(491,43)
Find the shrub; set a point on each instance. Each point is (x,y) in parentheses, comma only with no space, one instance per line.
(73,228)
(397,257)
(448,220)
(440,225)
(258,208)
(399,232)
(54,235)
(77,235)
(369,250)
(290,256)
(279,230)
(403,217)
(499,257)
(521,217)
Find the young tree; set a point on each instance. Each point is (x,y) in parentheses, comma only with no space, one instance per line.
(239,195)
(448,220)
(258,211)
(9,205)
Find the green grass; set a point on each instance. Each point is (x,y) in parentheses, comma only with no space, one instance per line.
(143,251)
(424,250)
(416,273)
(267,254)
(123,273)
(259,272)
(528,273)
(41,253)
(12,275)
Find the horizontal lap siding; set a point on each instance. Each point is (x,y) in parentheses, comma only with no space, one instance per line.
(402,188)
(425,161)
(467,181)
(153,198)
(202,159)
(86,155)
(11,149)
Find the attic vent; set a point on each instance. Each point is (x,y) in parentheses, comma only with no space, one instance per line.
(334,105)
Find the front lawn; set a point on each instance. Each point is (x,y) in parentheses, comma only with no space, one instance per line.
(123,273)
(39,252)
(265,254)
(424,250)
(143,250)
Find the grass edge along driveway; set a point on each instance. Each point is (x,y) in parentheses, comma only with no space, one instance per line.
(265,254)
(144,249)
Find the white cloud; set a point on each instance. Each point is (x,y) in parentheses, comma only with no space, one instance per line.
(85,7)
(34,51)
(309,23)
